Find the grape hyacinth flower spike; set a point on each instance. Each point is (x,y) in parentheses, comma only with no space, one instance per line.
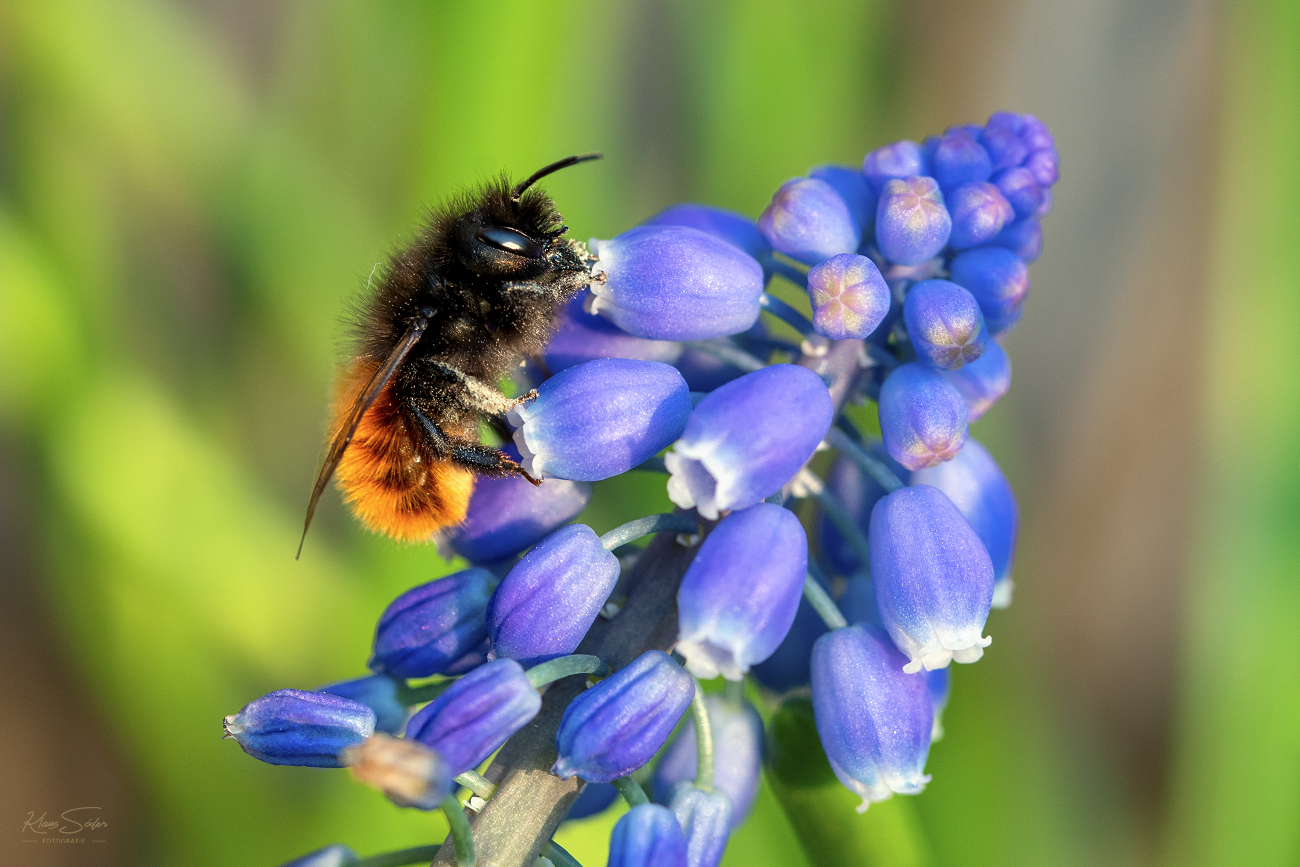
(748,438)
(736,229)
(294,727)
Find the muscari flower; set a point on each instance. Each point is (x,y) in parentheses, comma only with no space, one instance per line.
(958,158)
(748,438)
(922,416)
(902,159)
(932,575)
(705,818)
(548,601)
(1023,237)
(594,798)
(600,419)
(738,599)
(945,324)
(581,336)
(618,725)
(809,221)
(647,835)
(999,281)
(979,212)
(675,283)
(295,727)
(1018,186)
(477,714)
(854,190)
(377,692)
(912,224)
(849,297)
(974,483)
(406,771)
(874,719)
(429,627)
(737,757)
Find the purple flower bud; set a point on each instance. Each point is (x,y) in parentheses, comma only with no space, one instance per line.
(945,324)
(675,283)
(647,836)
(337,855)
(581,336)
(787,668)
(507,515)
(983,382)
(748,438)
(1023,237)
(738,598)
(854,189)
(849,297)
(600,419)
(1035,133)
(912,224)
(998,279)
(736,229)
(406,771)
(874,720)
(974,483)
(933,577)
(477,714)
(939,683)
(377,692)
(1046,207)
(809,221)
(594,798)
(922,416)
(959,159)
(902,159)
(705,818)
(619,724)
(978,214)
(1045,166)
(294,727)
(1005,147)
(429,627)
(738,755)
(1021,191)
(548,601)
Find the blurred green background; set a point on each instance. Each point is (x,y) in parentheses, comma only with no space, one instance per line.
(191,191)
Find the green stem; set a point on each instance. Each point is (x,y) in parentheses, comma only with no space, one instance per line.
(477,783)
(554,669)
(414,855)
(823,604)
(633,530)
(413,695)
(461,836)
(834,509)
(631,791)
(703,740)
(558,856)
(725,350)
(787,314)
(868,463)
(736,693)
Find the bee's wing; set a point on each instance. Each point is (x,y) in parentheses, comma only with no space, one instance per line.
(352,420)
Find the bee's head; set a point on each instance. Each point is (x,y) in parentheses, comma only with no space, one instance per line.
(515,234)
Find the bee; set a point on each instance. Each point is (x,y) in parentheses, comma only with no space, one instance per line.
(452,314)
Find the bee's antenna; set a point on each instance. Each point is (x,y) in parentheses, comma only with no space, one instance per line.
(553,167)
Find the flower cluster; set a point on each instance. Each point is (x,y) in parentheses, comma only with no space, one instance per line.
(914,266)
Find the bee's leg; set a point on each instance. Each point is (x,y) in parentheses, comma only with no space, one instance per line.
(484,397)
(470,454)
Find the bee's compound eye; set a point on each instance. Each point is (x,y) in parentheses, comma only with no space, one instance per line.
(511,241)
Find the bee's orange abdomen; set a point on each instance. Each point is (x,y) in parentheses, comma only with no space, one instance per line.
(388,477)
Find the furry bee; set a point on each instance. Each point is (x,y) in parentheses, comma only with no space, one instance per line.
(452,314)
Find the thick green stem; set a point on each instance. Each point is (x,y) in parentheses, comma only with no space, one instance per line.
(554,669)
(631,791)
(703,740)
(461,835)
(822,603)
(633,530)
(414,855)
(557,856)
